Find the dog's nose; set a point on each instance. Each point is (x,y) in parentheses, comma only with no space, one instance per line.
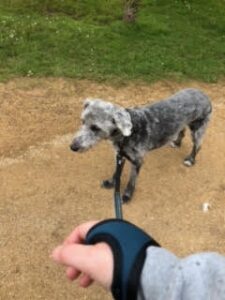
(74,147)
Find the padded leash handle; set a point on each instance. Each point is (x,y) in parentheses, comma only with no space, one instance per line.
(128,244)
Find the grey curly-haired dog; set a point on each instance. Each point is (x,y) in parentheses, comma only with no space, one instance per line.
(135,131)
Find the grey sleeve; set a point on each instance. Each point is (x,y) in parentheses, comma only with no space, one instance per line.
(196,277)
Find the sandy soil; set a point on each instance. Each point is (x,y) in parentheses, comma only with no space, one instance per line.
(45,189)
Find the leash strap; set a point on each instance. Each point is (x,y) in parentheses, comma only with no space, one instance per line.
(128,244)
(117,196)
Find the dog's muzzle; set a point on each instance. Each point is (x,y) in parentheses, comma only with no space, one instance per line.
(75,147)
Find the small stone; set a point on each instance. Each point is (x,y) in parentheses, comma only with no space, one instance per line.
(206,206)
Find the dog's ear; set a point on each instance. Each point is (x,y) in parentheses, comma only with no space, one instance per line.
(123,121)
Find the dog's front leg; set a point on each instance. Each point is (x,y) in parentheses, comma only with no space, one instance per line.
(135,169)
(110,183)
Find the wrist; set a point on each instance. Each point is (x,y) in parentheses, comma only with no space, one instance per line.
(107,265)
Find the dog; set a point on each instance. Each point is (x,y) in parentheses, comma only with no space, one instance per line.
(135,131)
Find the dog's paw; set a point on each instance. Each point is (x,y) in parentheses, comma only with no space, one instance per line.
(189,161)
(126,198)
(108,184)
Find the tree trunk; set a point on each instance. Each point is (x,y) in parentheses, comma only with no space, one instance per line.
(130,10)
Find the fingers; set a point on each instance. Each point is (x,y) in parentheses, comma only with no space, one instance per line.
(79,233)
(85,281)
(72,273)
(76,258)
(95,261)
(77,236)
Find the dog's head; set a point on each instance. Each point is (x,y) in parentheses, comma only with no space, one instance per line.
(100,120)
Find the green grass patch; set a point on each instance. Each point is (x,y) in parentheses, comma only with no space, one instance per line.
(88,39)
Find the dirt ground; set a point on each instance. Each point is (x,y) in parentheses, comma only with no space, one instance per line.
(46,190)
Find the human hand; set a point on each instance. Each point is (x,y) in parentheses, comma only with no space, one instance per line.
(88,262)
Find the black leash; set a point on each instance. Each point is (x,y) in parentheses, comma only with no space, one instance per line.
(117,196)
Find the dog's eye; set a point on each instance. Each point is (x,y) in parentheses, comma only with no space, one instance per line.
(114,132)
(95,128)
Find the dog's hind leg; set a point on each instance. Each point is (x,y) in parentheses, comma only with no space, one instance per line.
(129,191)
(110,183)
(198,129)
(178,141)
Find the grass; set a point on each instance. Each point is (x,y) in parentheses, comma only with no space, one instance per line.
(88,39)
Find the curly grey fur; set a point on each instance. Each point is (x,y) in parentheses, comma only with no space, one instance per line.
(135,131)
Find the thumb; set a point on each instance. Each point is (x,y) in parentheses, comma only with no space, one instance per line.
(95,261)
(73,255)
